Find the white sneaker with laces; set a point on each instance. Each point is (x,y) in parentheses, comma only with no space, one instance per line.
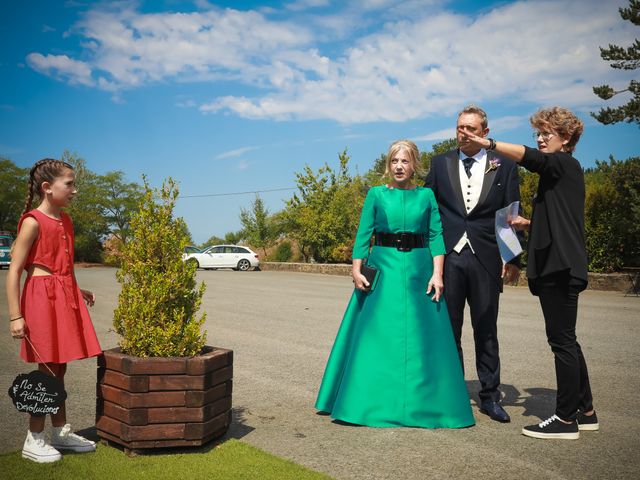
(37,449)
(63,438)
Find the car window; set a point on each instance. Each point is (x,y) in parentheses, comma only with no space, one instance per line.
(229,250)
(191,250)
(241,250)
(216,250)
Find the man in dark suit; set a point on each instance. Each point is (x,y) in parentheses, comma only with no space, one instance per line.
(470,184)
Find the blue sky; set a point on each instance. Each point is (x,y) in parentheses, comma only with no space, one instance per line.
(238,96)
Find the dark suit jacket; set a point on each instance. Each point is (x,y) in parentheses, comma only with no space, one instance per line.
(499,188)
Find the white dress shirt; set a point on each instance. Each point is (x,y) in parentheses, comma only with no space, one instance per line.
(471,188)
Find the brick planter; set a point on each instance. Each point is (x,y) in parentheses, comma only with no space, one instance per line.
(145,403)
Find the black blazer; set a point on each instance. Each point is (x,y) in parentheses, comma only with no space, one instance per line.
(556,239)
(500,187)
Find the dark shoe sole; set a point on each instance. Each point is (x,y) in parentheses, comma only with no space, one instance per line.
(508,420)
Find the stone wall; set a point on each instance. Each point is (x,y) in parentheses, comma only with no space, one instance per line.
(618,282)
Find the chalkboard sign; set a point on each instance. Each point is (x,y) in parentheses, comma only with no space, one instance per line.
(37,393)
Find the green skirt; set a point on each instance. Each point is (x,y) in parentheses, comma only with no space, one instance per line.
(394,361)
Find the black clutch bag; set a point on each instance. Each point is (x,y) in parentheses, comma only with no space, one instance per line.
(371,274)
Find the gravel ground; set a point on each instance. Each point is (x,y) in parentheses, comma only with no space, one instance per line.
(281,327)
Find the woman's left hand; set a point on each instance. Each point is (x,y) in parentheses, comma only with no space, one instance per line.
(89,297)
(472,140)
(437,286)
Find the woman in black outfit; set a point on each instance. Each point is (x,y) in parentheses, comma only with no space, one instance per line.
(557,260)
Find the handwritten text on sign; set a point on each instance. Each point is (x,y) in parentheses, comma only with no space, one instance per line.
(37,393)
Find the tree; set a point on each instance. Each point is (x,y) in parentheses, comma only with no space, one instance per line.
(159,301)
(119,200)
(90,225)
(528,187)
(213,240)
(12,194)
(612,214)
(101,211)
(375,176)
(234,238)
(323,215)
(437,149)
(256,225)
(624,59)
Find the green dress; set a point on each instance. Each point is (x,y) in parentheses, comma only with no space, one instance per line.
(394,361)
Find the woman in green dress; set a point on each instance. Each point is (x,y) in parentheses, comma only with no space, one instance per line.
(394,361)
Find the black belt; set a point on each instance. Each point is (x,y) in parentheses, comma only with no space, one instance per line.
(403,241)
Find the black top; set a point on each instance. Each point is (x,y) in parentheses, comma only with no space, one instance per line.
(556,241)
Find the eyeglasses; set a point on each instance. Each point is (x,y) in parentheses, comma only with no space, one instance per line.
(545,136)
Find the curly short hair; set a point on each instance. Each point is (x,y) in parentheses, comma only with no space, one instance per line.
(560,121)
(411,149)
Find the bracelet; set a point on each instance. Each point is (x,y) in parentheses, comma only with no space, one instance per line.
(492,144)
(17,318)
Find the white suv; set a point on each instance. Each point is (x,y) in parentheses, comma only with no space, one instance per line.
(224,256)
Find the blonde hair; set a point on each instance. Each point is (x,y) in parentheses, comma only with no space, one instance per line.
(562,122)
(45,170)
(411,149)
(484,121)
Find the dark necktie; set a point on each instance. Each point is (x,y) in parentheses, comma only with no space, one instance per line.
(467,166)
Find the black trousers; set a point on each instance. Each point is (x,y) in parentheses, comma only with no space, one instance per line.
(467,281)
(559,301)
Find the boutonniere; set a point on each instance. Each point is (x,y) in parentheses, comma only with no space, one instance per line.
(493,165)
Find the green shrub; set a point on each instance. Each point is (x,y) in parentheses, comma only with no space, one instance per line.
(157,307)
(283,252)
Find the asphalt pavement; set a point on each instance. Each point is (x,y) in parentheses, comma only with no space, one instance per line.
(281,327)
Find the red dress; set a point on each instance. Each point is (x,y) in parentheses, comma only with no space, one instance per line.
(57,320)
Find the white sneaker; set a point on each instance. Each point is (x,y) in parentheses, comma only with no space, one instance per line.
(63,438)
(37,449)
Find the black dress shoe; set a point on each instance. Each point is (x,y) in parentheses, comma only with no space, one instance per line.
(495,411)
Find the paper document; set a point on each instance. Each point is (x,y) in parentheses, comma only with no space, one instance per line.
(508,242)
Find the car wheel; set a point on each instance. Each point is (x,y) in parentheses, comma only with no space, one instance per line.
(192,261)
(244,265)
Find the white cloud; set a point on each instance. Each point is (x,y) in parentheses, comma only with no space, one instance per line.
(186,104)
(306,4)
(504,124)
(497,125)
(235,153)
(62,66)
(128,49)
(441,62)
(439,135)
(424,60)
(243,165)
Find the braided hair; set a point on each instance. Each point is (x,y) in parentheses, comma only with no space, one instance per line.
(45,170)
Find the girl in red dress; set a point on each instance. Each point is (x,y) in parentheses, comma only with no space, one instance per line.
(50,317)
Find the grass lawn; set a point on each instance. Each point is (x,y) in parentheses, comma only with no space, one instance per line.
(229,460)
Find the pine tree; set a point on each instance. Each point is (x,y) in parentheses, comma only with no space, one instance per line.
(624,59)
